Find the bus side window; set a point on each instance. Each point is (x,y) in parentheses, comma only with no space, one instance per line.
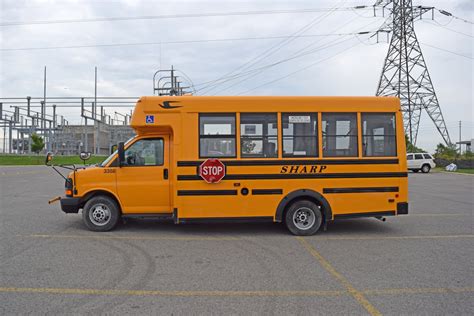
(378,135)
(300,134)
(258,135)
(339,134)
(217,135)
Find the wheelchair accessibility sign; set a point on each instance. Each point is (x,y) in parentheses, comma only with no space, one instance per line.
(150,119)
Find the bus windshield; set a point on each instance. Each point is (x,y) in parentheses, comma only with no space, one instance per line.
(106,161)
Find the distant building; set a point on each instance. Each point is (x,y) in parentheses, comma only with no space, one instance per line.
(97,139)
(468,145)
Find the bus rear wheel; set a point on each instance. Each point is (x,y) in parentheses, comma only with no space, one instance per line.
(101,214)
(303,218)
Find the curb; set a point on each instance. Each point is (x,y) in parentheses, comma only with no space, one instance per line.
(461,173)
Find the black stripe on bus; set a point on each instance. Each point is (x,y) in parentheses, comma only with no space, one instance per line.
(206,192)
(360,190)
(251,219)
(266,191)
(302,176)
(296,162)
(359,215)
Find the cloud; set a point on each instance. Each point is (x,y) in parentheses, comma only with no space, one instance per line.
(128,70)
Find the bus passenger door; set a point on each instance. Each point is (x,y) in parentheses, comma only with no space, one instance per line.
(143,181)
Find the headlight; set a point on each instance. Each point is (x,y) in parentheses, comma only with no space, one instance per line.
(68,186)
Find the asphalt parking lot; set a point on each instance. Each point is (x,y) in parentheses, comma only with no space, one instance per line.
(415,264)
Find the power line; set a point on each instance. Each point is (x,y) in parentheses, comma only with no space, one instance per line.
(300,53)
(448,51)
(447,28)
(444,12)
(304,51)
(269,52)
(299,70)
(172,42)
(272,49)
(261,69)
(66,97)
(300,50)
(179,16)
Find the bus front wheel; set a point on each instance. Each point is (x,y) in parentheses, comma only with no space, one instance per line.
(303,218)
(101,214)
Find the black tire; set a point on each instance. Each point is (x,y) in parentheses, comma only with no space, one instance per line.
(415,170)
(303,209)
(101,213)
(425,168)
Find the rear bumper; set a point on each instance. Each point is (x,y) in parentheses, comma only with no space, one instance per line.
(70,204)
(402,208)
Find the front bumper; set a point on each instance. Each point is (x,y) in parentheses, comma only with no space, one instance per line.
(70,204)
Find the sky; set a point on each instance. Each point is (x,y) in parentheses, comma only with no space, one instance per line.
(336,63)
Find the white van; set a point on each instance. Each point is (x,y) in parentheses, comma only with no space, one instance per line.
(420,161)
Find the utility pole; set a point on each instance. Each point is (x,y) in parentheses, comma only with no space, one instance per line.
(460,138)
(10,136)
(4,137)
(94,115)
(94,108)
(43,110)
(405,74)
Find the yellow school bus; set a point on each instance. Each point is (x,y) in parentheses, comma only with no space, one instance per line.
(302,161)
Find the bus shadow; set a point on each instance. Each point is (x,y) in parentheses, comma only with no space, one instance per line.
(366,226)
(204,229)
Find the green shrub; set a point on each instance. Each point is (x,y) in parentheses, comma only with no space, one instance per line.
(412,148)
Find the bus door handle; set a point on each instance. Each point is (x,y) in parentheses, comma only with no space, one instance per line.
(165,173)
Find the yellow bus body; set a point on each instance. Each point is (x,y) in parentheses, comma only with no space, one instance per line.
(256,187)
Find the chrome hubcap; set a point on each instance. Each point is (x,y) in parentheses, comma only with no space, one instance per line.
(304,218)
(100,215)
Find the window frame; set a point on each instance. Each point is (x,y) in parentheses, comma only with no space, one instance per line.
(145,139)
(316,136)
(357,136)
(262,138)
(231,136)
(394,135)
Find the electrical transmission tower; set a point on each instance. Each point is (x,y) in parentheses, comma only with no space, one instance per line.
(405,74)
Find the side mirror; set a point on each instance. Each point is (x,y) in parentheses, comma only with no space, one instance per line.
(84,156)
(49,157)
(121,154)
(113,148)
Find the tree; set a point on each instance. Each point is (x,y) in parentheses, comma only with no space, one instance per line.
(412,148)
(37,143)
(443,151)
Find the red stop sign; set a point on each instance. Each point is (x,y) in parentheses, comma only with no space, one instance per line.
(212,170)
